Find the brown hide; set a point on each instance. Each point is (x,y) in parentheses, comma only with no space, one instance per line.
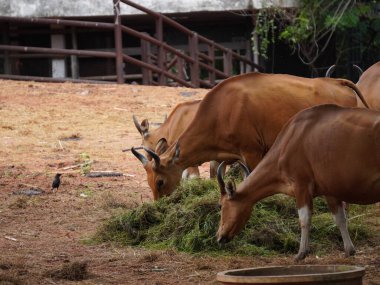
(323,151)
(240,118)
(174,125)
(169,131)
(369,85)
(335,149)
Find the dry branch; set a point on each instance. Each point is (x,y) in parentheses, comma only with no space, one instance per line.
(104,174)
(76,165)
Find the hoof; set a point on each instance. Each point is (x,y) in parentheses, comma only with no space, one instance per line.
(350,252)
(300,256)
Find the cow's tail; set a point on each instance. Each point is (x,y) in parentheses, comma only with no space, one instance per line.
(352,85)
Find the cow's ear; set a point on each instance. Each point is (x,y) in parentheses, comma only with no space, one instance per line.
(231,188)
(177,152)
(144,126)
(137,125)
(161,146)
(175,156)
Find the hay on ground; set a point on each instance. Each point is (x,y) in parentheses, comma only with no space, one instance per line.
(189,218)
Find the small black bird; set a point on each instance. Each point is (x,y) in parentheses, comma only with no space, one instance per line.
(56,181)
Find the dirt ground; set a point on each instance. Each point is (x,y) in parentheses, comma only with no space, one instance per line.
(47,128)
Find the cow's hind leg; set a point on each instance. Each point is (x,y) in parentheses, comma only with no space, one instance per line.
(339,214)
(190,173)
(214,167)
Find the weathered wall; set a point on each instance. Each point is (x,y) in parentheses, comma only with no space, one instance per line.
(46,8)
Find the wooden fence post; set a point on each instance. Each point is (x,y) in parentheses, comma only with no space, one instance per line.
(211,54)
(74,58)
(118,43)
(161,52)
(146,57)
(194,67)
(227,62)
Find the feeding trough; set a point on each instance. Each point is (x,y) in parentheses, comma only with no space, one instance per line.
(295,274)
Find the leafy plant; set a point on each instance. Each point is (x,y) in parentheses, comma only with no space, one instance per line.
(310,27)
(86,165)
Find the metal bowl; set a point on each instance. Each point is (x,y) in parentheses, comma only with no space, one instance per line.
(295,274)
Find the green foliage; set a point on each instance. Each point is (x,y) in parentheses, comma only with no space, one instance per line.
(86,165)
(299,31)
(265,28)
(311,26)
(189,218)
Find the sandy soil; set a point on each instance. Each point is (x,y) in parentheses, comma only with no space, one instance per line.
(47,128)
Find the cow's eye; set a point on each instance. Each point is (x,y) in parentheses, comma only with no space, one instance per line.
(160,183)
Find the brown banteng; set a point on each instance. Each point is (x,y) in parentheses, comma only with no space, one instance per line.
(369,85)
(160,138)
(332,69)
(239,119)
(327,151)
(168,132)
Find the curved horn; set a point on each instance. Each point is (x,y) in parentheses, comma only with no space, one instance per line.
(154,155)
(139,156)
(219,177)
(137,124)
(360,71)
(330,70)
(245,168)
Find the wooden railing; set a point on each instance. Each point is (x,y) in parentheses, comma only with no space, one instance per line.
(160,63)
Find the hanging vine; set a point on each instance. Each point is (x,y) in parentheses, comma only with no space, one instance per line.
(309,28)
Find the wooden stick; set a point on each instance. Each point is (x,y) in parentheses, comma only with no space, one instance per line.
(103,174)
(76,165)
(60,144)
(121,109)
(10,238)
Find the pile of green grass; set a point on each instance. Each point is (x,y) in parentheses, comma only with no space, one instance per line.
(189,218)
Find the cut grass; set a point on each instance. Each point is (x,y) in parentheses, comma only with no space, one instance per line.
(189,218)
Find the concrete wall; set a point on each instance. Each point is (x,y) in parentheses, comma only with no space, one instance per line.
(50,8)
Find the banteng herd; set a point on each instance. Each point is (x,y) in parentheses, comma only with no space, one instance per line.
(301,137)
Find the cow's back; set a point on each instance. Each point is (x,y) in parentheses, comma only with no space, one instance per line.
(337,149)
(180,118)
(369,85)
(177,121)
(247,112)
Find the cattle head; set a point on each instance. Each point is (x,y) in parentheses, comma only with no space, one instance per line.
(143,128)
(235,209)
(149,138)
(163,174)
